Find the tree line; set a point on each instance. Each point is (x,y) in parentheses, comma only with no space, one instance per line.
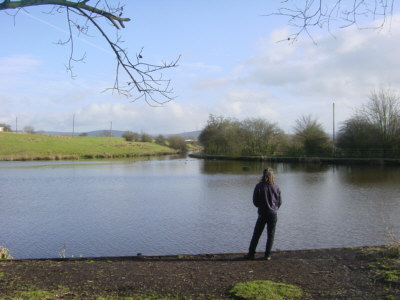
(174,141)
(373,131)
(259,137)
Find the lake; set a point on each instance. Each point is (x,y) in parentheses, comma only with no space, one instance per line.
(182,205)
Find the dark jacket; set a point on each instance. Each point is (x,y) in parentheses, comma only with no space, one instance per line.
(267,197)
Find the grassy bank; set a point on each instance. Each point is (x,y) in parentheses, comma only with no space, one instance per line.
(41,147)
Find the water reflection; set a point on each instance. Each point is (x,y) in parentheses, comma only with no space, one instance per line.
(229,167)
(365,175)
(302,167)
(184,205)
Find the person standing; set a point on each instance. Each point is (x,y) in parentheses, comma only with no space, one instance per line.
(267,198)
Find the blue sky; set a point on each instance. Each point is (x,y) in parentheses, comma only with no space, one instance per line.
(232,64)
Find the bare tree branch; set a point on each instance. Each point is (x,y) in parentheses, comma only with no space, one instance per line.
(145,80)
(308,14)
(78,5)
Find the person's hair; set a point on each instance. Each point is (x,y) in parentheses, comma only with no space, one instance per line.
(268,176)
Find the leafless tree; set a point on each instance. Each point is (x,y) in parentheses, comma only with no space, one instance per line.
(29,129)
(145,80)
(310,134)
(383,112)
(307,14)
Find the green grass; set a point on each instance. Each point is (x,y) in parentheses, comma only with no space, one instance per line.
(392,276)
(265,290)
(385,262)
(35,295)
(15,146)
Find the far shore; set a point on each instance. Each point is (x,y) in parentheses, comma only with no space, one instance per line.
(314,160)
(84,157)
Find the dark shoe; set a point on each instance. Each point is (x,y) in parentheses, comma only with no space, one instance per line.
(267,257)
(249,257)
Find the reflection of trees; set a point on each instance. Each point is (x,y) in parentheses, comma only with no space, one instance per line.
(360,175)
(256,167)
(308,174)
(367,175)
(235,167)
(227,167)
(306,167)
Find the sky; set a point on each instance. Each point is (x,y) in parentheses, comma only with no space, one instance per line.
(235,62)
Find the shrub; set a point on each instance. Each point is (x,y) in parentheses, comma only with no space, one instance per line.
(160,140)
(146,138)
(311,136)
(29,129)
(177,143)
(4,253)
(129,136)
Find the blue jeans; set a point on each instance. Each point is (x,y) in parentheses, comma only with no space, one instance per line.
(270,220)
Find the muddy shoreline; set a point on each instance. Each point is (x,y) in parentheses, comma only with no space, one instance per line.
(344,273)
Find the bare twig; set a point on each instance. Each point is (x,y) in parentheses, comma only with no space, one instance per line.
(323,13)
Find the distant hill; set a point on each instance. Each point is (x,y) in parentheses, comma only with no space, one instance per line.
(115,133)
(189,134)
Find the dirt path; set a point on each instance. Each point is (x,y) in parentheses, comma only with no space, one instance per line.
(321,274)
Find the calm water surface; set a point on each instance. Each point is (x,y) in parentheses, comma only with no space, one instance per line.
(173,206)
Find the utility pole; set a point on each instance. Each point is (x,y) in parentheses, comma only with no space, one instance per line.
(333,133)
(73,125)
(16,124)
(111,130)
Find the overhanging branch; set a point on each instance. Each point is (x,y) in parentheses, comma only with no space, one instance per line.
(78,5)
(145,80)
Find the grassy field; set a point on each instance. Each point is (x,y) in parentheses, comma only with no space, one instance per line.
(15,146)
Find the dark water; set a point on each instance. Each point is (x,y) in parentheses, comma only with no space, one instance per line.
(173,206)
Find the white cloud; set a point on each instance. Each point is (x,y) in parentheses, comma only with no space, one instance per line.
(16,64)
(210,84)
(247,103)
(202,66)
(345,66)
(302,78)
